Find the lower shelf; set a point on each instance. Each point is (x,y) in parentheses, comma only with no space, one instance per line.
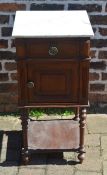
(53,135)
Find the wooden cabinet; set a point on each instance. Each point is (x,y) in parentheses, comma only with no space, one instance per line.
(53,71)
(53,79)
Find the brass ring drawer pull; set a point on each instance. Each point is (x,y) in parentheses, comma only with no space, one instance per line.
(53,51)
(30,84)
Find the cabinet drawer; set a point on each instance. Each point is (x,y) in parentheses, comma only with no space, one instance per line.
(53,48)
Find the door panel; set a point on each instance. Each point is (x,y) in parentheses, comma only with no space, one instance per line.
(54,81)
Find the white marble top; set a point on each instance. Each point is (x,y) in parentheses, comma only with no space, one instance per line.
(52,24)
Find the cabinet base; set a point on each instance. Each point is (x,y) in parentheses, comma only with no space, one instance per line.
(58,135)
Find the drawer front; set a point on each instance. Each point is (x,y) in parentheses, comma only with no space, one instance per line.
(53,48)
(52,82)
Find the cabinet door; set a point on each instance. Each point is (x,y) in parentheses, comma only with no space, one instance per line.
(52,81)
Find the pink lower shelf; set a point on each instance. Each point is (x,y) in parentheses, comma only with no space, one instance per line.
(53,135)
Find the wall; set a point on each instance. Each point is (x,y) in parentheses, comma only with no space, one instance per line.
(97,11)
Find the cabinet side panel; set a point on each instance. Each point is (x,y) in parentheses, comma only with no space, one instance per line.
(20,48)
(84,80)
(84,49)
(22,93)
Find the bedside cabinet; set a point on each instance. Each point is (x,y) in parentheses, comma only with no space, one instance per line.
(53,56)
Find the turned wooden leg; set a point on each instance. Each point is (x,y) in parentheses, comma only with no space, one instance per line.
(24,122)
(82,122)
(76,118)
